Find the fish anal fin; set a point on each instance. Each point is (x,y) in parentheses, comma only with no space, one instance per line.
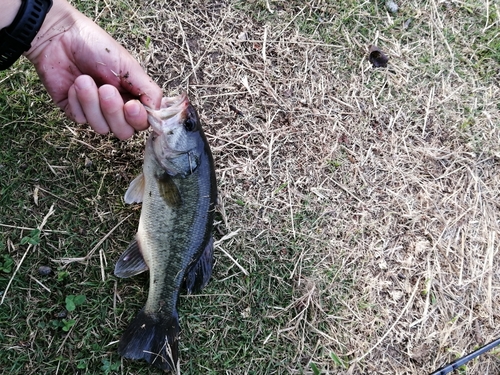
(131,262)
(135,191)
(168,190)
(199,273)
(154,338)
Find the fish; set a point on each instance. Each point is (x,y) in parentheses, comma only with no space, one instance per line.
(174,241)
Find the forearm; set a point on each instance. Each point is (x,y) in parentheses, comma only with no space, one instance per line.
(9,11)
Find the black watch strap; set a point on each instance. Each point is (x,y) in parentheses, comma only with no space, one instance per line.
(16,38)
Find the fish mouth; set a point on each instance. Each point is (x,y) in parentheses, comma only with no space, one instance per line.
(172,111)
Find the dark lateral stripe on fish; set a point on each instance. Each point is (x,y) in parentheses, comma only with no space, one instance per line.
(154,338)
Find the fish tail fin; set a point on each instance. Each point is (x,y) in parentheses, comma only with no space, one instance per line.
(154,338)
(198,275)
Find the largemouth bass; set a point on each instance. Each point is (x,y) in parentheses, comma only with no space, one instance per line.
(178,192)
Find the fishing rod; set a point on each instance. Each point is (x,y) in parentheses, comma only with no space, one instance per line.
(462,361)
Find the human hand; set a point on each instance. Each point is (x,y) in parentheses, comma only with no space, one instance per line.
(89,75)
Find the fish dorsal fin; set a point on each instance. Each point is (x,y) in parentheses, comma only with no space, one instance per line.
(198,274)
(168,190)
(131,262)
(135,191)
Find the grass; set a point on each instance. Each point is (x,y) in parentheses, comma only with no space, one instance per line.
(359,205)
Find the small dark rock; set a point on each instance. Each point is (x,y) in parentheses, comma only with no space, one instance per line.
(44,270)
(61,314)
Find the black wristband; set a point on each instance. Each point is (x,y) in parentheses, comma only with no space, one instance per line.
(16,38)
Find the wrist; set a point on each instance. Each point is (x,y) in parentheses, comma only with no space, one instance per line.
(16,38)
(60,19)
(9,12)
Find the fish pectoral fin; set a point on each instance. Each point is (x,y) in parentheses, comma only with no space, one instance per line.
(131,262)
(199,272)
(135,191)
(168,190)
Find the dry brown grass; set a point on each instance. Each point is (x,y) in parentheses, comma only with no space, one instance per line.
(376,190)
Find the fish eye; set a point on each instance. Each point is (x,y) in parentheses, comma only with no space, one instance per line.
(190,124)
(192,121)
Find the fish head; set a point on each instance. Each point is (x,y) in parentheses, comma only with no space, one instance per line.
(177,135)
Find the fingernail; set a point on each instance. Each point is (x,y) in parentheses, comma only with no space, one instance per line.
(134,108)
(83,83)
(107,92)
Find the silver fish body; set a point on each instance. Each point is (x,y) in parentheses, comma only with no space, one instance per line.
(174,240)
